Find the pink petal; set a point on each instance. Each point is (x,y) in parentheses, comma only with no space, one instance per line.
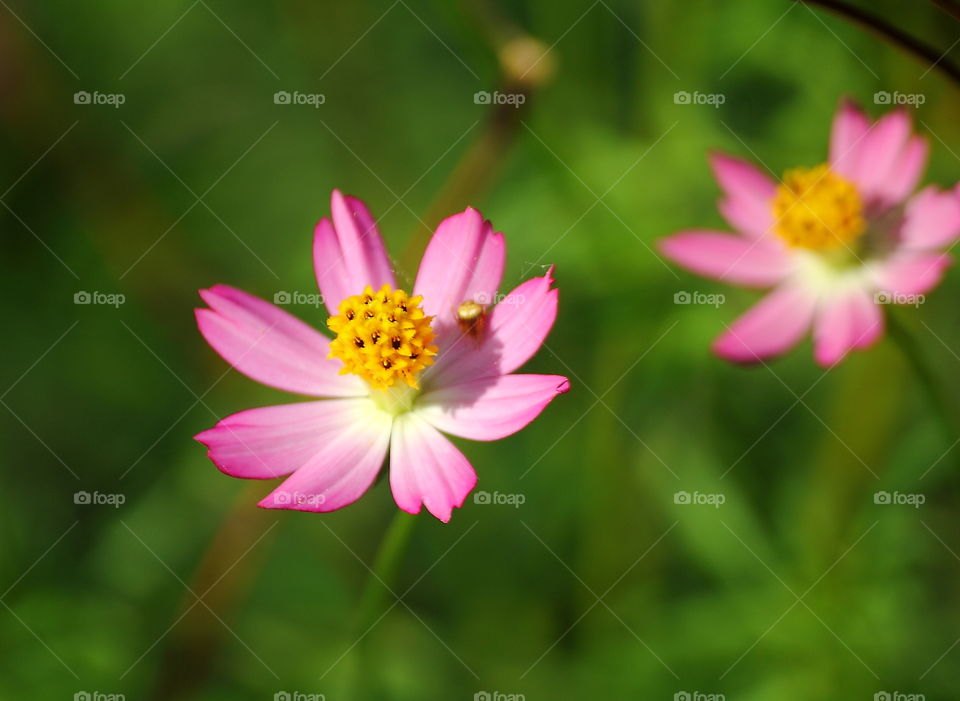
(905,175)
(879,153)
(749,194)
(909,273)
(772,326)
(850,126)
(847,320)
(343,469)
(426,469)
(735,259)
(490,408)
(516,328)
(348,255)
(274,441)
(463,261)
(931,219)
(269,345)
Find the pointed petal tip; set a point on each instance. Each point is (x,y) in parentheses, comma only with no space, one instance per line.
(848,101)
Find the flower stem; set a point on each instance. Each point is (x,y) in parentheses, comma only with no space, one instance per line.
(951,7)
(371,609)
(385,566)
(888,32)
(932,388)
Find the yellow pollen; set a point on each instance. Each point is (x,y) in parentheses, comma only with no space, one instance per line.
(383,337)
(817,209)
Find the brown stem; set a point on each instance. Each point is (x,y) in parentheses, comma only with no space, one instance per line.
(951,7)
(526,65)
(222,580)
(891,34)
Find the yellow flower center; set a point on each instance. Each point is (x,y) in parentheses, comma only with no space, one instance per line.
(817,209)
(382,337)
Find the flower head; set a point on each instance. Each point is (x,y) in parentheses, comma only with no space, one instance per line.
(834,241)
(401,369)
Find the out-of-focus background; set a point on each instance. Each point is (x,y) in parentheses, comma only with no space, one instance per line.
(153,149)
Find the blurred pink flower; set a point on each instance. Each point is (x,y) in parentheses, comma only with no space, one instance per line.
(834,241)
(401,370)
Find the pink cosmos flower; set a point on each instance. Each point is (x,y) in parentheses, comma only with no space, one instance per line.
(400,370)
(833,241)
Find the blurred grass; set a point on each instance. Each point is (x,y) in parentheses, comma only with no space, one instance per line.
(117,392)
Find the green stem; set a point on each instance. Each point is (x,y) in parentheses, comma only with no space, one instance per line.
(932,388)
(380,585)
(385,566)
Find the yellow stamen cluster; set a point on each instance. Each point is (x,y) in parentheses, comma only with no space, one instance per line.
(383,337)
(817,209)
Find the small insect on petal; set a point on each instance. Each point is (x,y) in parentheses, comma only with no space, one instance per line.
(472,318)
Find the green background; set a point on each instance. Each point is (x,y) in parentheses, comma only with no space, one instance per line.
(599,586)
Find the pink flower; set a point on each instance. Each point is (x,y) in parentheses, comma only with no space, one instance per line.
(833,241)
(400,370)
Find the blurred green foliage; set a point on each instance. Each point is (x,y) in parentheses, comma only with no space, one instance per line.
(599,586)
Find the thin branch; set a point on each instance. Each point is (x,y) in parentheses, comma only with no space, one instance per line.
(951,7)
(890,33)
